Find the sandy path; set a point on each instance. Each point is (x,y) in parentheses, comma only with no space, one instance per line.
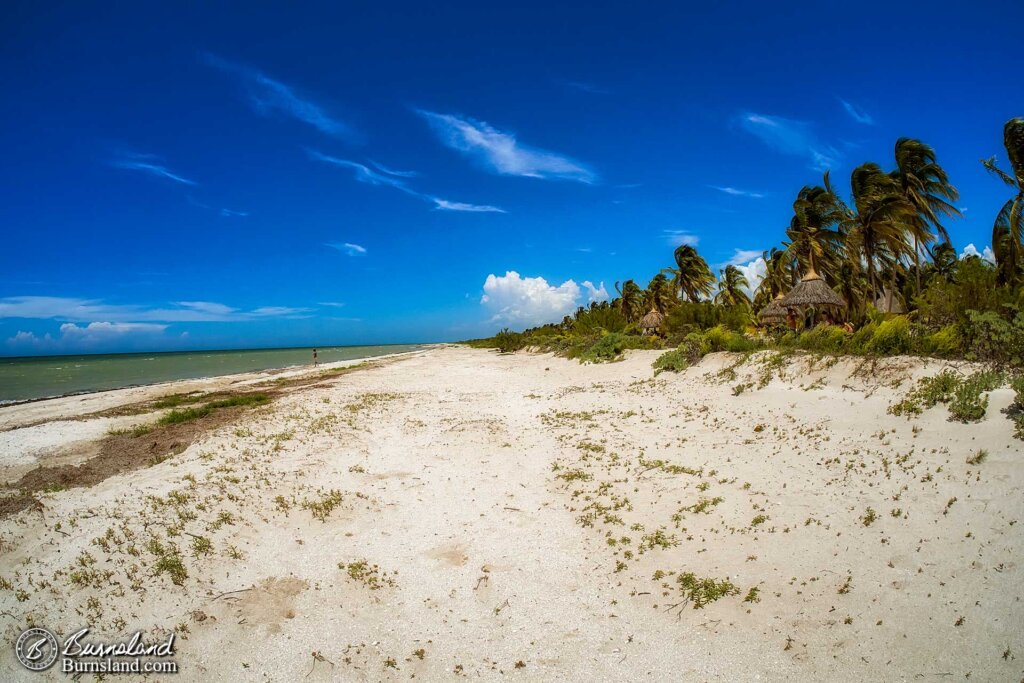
(466,477)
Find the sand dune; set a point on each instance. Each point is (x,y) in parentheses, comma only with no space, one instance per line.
(457,513)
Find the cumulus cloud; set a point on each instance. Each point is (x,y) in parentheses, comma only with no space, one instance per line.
(790,137)
(268,96)
(95,335)
(88,310)
(986,253)
(501,152)
(527,301)
(754,271)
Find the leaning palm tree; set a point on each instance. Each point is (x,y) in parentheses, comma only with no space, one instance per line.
(877,228)
(815,243)
(630,300)
(926,186)
(778,277)
(691,277)
(1008,231)
(731,288)
(660,294)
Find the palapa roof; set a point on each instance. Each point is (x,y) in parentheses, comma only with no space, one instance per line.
(812,291)
(774,311)
(652,320)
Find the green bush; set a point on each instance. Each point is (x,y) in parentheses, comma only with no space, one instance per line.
(891,337)
(609,348)
(823,338)
(676,360)
(991,337)
(967,405)
(720,338)
(1016,409)
(945,342)
(508,341)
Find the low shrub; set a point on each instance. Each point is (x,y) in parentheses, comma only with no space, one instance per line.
(891,337)
(508,341)
(675,360)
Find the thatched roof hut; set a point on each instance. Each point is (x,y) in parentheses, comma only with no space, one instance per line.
(774,312)
(812,291)
(651,322)
(889,302)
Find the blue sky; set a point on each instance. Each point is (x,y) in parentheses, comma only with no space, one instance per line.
(194,176)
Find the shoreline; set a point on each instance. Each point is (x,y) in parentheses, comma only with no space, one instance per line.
(271,370)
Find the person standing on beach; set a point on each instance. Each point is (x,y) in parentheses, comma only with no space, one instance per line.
(314,358)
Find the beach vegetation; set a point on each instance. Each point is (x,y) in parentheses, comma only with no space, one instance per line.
(883,252)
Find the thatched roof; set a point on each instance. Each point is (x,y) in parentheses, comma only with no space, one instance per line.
(652,320)
(812,291)
(882,304)
(774,312)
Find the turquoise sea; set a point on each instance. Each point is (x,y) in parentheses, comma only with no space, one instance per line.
(23,379)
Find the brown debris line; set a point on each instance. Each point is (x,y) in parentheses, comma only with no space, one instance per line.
(120,453)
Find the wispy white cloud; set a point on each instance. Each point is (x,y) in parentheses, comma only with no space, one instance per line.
(89,310)
(226,213)
(986,253)
(445,205)
(348,248)
(401,174)
(791,137)
(332,304)
(677,238)
(737,192)
(268,96)
(856,113)
(583,86)
(501,152)
(518,300)
(364,174)
(367,175)
(148,163)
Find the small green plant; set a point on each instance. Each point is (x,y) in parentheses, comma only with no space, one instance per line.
(201,545)
(758,520)
(979,457)
(869,517)
(701,592)
(753,595)
(367,574)
(321,508)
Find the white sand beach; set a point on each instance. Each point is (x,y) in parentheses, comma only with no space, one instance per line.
(455,513)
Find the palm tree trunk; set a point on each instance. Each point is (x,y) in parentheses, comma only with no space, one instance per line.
(917,264)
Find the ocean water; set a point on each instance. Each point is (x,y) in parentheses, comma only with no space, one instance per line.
(40,377)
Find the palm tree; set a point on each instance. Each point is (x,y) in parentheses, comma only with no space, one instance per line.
(877,229)
(814,242)
(731,288)
(1008,231)
(692,278)
(660,293)
(926,186)
(777,279)
(944,260)
(630,300)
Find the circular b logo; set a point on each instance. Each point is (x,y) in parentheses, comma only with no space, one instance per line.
(36,649)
